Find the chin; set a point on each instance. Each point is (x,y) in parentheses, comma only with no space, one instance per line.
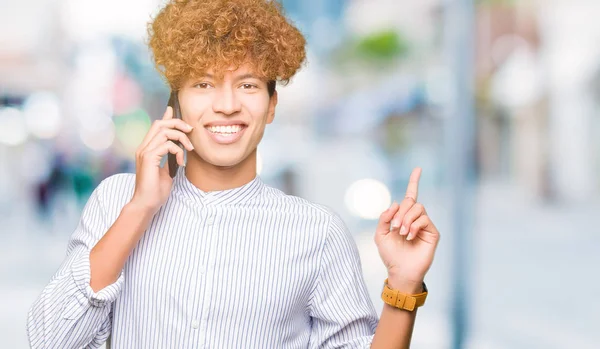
(224,160)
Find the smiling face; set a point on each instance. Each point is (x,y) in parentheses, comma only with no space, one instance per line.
(229,115)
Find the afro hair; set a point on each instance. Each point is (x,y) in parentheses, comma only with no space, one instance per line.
(190,37)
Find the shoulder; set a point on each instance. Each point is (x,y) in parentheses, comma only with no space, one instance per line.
(333,239)
(327,218)
(298,205)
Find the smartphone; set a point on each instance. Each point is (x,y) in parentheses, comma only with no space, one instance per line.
(171,159)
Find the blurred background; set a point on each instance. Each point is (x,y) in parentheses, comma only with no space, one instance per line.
(498,101)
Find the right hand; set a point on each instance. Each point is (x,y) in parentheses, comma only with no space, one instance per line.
(153,183)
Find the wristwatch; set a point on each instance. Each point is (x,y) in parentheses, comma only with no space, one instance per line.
(401,300)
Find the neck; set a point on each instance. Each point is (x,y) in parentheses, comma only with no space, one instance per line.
(208,177)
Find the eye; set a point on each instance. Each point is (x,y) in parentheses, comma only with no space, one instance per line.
(248,86)
(202,85)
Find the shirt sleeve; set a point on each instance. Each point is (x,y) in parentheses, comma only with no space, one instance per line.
(341,311)
(68,313)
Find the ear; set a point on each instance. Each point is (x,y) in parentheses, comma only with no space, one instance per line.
(272,105)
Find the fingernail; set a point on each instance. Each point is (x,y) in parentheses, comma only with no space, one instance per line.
(402,230)
(409,237)
(395,224)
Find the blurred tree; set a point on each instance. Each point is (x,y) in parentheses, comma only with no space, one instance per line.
(380,49)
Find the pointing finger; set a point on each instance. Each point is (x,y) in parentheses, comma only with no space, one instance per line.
(412,191)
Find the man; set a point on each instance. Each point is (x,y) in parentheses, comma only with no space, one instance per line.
(214,257)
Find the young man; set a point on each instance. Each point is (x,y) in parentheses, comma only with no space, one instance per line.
(214,258)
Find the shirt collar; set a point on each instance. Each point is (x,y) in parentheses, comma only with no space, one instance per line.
(238,195)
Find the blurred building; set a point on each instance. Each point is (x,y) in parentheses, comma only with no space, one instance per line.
(537,81)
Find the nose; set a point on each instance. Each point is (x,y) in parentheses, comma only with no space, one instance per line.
(226,102)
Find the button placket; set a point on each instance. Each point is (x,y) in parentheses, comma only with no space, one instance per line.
(201,312)
(199,286)
(209,220)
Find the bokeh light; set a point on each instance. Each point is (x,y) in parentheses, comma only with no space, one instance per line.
(131,128)
(367,198)
(13,130)
(98,139)
(43,115)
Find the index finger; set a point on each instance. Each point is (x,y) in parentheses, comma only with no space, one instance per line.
(412,191)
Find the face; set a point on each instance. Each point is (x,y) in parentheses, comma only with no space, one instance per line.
(229,115)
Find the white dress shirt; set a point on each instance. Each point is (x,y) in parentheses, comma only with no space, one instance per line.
(249,267)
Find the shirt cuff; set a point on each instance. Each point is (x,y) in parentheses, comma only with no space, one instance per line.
(82,275)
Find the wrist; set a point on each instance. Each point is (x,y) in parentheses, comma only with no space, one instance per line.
(140,206)
(405,285)
(404,295)
(137,209)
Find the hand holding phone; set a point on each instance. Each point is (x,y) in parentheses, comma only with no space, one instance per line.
(166,136)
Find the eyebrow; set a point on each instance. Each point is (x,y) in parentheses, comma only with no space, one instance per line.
(247,76)
(241,77)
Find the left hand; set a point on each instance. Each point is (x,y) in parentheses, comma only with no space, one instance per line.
(407,239)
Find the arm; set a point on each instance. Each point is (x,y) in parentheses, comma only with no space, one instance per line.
(341,310)
(70,313)
(109,255)
(74,309)
(395,325)
(152,189)
(406,239)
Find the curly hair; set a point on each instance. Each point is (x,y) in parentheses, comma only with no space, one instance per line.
(189,37)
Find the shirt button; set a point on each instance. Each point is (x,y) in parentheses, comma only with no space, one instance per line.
(195,324)
(210,220)
(202,270)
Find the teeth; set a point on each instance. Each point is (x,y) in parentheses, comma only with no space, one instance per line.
(225,129)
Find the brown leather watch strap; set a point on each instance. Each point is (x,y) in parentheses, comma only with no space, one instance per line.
(401,300)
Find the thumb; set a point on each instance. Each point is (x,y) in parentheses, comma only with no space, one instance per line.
(383,226)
